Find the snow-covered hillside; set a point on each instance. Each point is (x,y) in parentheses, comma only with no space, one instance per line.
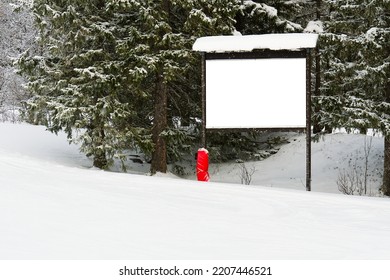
(331,155)
(54,206)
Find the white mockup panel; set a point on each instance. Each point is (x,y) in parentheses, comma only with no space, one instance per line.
(256,93)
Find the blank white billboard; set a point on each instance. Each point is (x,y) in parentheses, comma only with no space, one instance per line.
(256,93)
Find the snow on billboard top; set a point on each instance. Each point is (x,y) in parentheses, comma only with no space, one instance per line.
(248,43)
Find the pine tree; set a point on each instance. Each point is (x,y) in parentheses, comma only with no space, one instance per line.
(76,80)
(158,47)
(270,16)
(114,74)
(356,63)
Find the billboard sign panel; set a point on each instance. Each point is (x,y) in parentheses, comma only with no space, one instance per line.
(256,93)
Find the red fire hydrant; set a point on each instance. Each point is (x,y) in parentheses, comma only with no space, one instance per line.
(202,165)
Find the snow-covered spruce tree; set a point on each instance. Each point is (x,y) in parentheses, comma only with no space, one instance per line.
(157,48)
(356,70)
(77,81)
(268,16)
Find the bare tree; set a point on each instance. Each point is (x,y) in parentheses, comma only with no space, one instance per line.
(17,34)
(367,150)
(246,174)
(350,181)
(354,179)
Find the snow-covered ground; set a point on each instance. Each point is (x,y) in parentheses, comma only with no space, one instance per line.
(54,206)
(331,155)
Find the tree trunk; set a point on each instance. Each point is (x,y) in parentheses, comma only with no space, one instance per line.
(318,9)
(316,126)
(99,156)
(100,160)
(386,168)
(160,123)
(386,165)
(159,155)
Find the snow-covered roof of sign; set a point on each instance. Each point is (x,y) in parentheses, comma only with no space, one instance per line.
(248,43)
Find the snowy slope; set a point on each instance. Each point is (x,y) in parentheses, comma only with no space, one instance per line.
(53,207)
(331,155)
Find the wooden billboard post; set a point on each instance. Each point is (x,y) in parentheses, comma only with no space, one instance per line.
(203,141)
(308,120)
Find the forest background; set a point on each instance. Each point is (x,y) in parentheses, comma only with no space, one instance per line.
(120,75)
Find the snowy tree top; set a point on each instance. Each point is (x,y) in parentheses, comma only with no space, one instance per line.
(247,43)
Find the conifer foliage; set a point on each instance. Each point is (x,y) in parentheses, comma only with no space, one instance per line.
(111,73)
(267,16)
(76,79)
(355,58)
